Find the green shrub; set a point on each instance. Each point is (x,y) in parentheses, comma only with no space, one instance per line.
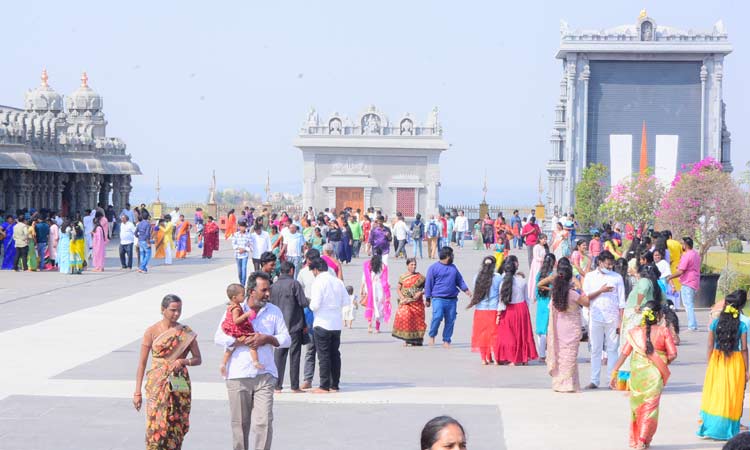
(734,246)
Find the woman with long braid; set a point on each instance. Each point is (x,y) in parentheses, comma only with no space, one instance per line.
(651,349)
(485,299)
(542,304)
(514,343)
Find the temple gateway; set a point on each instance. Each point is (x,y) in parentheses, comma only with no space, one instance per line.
(636,80)
(61,159)
(372,162)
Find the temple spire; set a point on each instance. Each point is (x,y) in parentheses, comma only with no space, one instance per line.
(484,188)
(643,167)
(84,80)
(268,186)
(45,78)
(158,185)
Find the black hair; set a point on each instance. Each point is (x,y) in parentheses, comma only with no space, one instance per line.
(634,249)
(169,298)
(286,266)
(411,260)
(445,252)
(376,262)
(234,289)
(605,255)
(484,280)
(727,327)
(510,265)
(655,308)
(432,430)
(548,264)
(561,285)
(312,254)
(621,267)
(267,257)
(688,241)
(650,272)
(252,280)
(319,264)
(670,317)
(740,441)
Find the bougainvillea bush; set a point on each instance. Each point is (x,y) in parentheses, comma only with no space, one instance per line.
(634,201)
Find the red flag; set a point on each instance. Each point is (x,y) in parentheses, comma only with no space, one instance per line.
(644,154)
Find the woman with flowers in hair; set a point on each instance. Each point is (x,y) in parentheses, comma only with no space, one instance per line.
(486,297)
(651,349)
(727,371)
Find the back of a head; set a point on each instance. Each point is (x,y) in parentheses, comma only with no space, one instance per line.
(445,253)
(740,441)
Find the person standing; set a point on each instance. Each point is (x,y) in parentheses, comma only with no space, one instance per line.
(9,244)
(261,244)
(485,299)
(42,231)
(127,237)
(231,225)
(689,275)
(433,234)
(242,246)
(88,228)
(515,225)
(21,240)
(450,224)
(166,227)
(379,238)
(409,324)
(461,225)
(443,239)
(673,255)
(249,388)
(289,295)
(606,292)
(210,238)
(417,235)
(441,291)
(328,298)
(375,292)
(99,242)
(292,246)
(514,343)
(400,234)
(182,237)
(143,234)
(356,228)
(530,234)
(54,241)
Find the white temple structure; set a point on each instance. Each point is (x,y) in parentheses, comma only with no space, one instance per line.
(372,162)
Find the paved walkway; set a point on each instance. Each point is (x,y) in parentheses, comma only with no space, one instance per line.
(70,346)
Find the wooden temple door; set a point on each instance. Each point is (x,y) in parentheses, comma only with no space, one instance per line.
(350,197)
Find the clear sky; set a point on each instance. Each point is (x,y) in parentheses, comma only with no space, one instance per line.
(195,86)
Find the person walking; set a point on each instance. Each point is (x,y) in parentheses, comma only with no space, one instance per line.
(375,291)
(542,300)
(606,292)
(485,301)
(433,234)
(261,244)
(689,275)
(250,389)
(461,226)
(127,237)
(42,230)
(21,239)
(356,228)
(210,238)
(380,237)
(530,235)
(400,234)
(242,246)
(328,298)
(441,291)
(514,343)
(289,295)
(143,234)
(417,235)
(515,225)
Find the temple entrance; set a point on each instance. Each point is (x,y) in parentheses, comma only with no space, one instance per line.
(350,198)
(67,199)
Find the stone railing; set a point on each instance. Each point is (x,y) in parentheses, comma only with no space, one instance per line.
(472,211)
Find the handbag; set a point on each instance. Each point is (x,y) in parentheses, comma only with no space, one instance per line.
(178,383)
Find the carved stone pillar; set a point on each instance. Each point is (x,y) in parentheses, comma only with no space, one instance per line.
(59,187)
(585,75)
(117,194)
(126,189)
(331,198)
(704,76)
(716,130)
(368,198)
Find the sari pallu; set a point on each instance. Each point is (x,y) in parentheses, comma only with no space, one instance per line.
(77,248)
(563,341)
(648,376)
(63,253)
(9,247)
(210,239)
(183,240)
(167,412)
(409,323)
(630,321)
(159,243)
(380,312)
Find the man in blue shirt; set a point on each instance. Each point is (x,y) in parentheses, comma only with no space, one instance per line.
(143,233)
(441,290)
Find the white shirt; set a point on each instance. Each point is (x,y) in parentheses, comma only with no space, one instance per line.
(461,224)
(127,233)
(175,216)
(306,278)
(518,294)
(327,298)
(261,243)
(400,230)
(664,268)
(606,307)
(293,242)
(269,321)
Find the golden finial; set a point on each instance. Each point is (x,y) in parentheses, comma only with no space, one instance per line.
(84,80)
(644,14)
(44,78)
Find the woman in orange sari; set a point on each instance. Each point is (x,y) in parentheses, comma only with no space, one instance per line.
(168,397)
(231,226)
(182,236)
(652,349)
(409,324)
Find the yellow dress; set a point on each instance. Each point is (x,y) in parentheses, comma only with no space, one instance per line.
(675,253)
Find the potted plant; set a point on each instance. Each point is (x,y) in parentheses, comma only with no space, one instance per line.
(590,192)
(706,204)
(634,201)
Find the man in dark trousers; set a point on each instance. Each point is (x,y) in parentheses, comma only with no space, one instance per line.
(289,295)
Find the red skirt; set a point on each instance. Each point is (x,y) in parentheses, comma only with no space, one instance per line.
(515,338)
(484,332)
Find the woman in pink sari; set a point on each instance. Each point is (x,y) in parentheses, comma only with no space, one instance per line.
(538,253)
(99,241)
(375,291)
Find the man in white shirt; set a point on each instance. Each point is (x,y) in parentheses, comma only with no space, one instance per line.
(251,389)
(400,233)
(328,298)
(292,246)
(88,228)
(127,238)
(261,244)
(461,226)
(606,292)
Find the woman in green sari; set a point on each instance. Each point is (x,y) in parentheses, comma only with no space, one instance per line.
(32,259)
(651,349)
(478,238)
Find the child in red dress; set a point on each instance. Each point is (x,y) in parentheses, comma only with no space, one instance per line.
(237,324)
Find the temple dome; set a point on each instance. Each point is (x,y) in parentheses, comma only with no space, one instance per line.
(84,99)
(43,98)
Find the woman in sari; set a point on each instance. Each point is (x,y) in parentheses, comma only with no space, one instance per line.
(9,245)
(564,331)
(375,291)
(231,226)
(538,253)
(168,390)
(53,241)
(316,241)
(651,349)
(168,231)
(514,343)
(726,374)
(345,247)
(409,324)
(32,260)
(488,231)
(183,238)
(99,242)
(329,257)
(366,227)
(478,237)
(210,238)
(486,296)
(159,230)
(77,248)
(63,249)
(581,260)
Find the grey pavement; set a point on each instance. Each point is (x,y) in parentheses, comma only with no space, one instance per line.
(388,391)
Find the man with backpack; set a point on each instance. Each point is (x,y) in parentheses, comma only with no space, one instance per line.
(433,234)
(381,237)
(417,234)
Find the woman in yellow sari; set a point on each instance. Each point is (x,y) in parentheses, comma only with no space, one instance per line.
(168,398)
(651,349)
(77,247)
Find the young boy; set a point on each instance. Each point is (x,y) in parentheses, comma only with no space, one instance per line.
(347,311)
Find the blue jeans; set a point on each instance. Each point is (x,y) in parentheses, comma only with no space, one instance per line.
(144,249)
(41,247)
(297,261)
(242,269)
(418,247)
(688,299)
(460,238)
(518,242)
(443,308)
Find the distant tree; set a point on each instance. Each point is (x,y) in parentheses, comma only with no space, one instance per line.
(590,192)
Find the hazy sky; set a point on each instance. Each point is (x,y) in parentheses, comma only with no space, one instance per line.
(195,86)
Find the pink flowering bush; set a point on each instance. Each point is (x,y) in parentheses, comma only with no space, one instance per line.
(704,203)
(634,201)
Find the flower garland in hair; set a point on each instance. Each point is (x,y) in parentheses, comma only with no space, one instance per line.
(648,314)
(732,310)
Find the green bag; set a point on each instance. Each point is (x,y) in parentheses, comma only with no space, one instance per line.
(178,383)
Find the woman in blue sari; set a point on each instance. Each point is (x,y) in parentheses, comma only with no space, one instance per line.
(345,248)
(63,249)
(9,246)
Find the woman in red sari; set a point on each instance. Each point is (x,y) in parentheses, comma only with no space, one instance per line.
(182,236)
(409,323)
(168,390)
(210,238)
(231,227)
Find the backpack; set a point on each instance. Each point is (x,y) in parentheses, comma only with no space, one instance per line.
(432,230)
(416,230)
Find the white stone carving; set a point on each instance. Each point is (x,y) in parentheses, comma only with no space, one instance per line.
(348,166)
(371,124)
